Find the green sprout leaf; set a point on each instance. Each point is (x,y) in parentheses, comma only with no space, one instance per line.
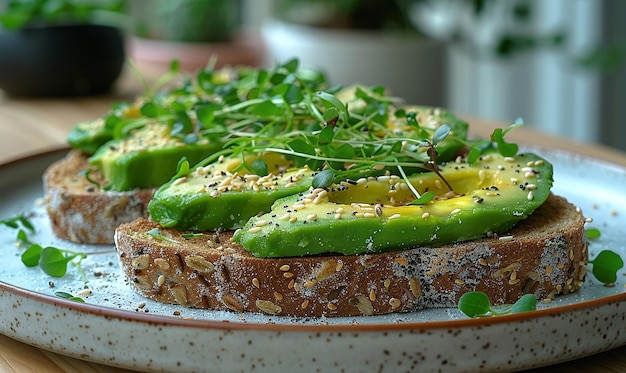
(189,236)
(30,257)
(17,221)
(156,233)
(477,304)
(424,198)
(54,261)
(592,233)
(86,173)
(505,148)
(259,167)
(605,266)
(527,302)
(474,304)
(323,179)
(68,296)
(441,133)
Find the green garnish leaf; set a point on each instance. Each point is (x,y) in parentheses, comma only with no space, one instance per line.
(323,179)
(259,167)
(477,304)
(424,198)
(592,233)
(441,133)
(474,304)
(68,296)
(31,256)
(605,266)
(267,109)
(17,221)
(156,233)
(86,173)
(22,238)
(505,148)
(188,236)
(53,261)
(527,302)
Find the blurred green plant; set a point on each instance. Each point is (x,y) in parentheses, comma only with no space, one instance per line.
(16,14)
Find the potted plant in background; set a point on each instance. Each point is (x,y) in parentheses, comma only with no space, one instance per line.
(363,41)
(191,31)
(60,47)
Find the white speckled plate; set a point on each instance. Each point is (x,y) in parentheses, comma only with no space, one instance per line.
(117,327)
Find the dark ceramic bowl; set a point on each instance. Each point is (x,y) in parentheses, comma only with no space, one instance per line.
(63,60)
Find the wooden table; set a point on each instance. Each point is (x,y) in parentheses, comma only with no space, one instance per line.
(28,126)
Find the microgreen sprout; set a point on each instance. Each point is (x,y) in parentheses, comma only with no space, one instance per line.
(477,304)
(86,173)
(605,266)
(189,236)
(53,261)
(156,233)
(17,222)
(592,233)
(68,296)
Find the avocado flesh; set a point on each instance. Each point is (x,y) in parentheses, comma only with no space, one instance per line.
(225,194)
(89,136)
(148,158)
(491,195)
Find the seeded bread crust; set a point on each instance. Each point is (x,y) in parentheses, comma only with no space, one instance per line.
(546,255)
(79,211)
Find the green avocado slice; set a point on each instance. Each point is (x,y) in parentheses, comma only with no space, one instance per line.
(226,194)
(148,157)
(491,195)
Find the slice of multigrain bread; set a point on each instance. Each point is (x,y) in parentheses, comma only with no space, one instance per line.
(545,254)
(79,211)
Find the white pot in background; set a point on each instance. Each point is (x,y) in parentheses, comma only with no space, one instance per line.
(413,67)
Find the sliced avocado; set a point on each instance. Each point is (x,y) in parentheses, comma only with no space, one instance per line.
(372,215)
(148,157)
(226,194)
(88,136)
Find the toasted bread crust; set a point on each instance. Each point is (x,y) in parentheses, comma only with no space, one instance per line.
(82,213)
(546,255)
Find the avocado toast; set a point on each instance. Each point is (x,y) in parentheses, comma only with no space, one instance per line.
(347,202)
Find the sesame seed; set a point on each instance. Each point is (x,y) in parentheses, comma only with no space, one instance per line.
(369,215)
(372,295)
(340,210)
(425,215)
(339,266)
(260,223)
(287,275)
(455,211)
(278,295)
(285,267)
(588,220)
(254,229)
(530,196)
(284,217)
(458,281)
(293,219)
(160,280)
(311,217)
(304,304)
(337,216)
(531,186)
(255,282)
(298,206)
(514,180)
(308,284)
(331,306)
(394,216)
(509,159)
(387,283)
(180,180)
(438,184)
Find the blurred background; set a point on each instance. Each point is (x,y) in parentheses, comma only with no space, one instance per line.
(558,64)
